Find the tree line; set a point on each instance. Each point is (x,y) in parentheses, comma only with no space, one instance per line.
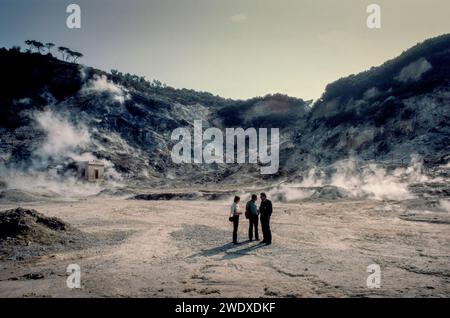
(66,53)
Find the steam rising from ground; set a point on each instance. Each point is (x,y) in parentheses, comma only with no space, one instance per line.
(48,173)
(50,183)
(64,140)
(414,71)
(356,180)
(370,180)
(100,84)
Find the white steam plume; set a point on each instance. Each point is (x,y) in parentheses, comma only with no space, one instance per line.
(100,84)
(359,180)
(63,140)
(47,173)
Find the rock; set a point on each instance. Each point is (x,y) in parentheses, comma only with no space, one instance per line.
(26,232)
(33,276)
(166,196)
(27,223)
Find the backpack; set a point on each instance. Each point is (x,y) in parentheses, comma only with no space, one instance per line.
(247,212)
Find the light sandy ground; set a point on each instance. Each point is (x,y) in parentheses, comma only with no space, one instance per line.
(182,249)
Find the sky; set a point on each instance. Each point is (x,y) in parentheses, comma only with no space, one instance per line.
(234,48)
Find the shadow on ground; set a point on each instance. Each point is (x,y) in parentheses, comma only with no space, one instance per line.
(230,250)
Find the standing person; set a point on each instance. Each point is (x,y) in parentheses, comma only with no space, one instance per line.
(265,210)
(252,211)
(234,217)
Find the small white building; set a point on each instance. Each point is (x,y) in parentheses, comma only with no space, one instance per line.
(91,170)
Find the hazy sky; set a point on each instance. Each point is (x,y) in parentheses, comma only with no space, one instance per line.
(234,48)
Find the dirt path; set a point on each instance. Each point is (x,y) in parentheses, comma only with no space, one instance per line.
(181,249)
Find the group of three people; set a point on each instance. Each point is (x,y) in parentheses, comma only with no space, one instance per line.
(251,213)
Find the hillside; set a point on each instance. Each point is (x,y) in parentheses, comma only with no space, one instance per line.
(53,113)
(388,112)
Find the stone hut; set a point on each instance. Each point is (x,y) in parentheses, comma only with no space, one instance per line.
(91,170)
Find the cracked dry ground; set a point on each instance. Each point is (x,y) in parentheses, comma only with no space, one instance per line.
(182,249)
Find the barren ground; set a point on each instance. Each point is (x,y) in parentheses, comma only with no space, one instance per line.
(182,249)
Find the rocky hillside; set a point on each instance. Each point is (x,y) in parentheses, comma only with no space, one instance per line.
(391,111)
(53,113)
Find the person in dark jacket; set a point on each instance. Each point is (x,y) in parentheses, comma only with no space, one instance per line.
(251,211)
(265,211)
